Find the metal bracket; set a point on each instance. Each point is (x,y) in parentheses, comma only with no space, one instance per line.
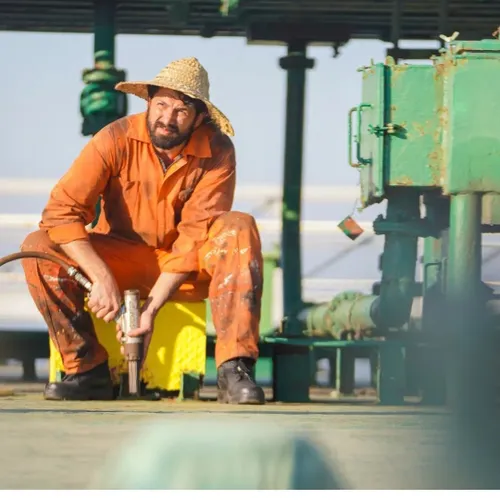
(390,128)
(357,138)
(451,38)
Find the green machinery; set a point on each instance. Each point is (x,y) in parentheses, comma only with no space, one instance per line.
(426,140)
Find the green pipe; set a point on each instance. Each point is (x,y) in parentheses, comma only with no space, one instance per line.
(399,261)
(104,27)
(465,332)
(347,312)
(464,259)
(295,63)
(438,213)
(435,250)
(104,45)
(355,313)
(429,375)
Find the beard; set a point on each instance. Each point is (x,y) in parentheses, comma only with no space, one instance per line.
(174,138)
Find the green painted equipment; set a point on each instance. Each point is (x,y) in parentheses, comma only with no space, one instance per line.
(100,103)
(426,138)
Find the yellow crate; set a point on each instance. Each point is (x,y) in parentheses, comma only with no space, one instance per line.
(178,346)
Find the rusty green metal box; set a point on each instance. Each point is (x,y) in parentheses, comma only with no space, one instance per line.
(470,72)
(435,125)
(398,137)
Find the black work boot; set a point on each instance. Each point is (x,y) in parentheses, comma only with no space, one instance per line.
(95,384)
(235,384)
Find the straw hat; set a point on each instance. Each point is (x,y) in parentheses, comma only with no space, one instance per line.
(187,76)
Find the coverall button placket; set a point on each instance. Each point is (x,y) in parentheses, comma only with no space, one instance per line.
(178,163)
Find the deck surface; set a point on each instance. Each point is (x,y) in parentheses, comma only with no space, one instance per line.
(60,445)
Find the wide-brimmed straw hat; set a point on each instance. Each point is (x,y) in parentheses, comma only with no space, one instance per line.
(187,76)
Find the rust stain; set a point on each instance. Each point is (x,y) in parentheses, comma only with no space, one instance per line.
(403,181)
(424,128)
(443,116)
(442,68)
(368,72)
(397,71)
(437,135)
(435,159)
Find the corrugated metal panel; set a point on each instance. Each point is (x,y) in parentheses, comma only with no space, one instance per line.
(421,19)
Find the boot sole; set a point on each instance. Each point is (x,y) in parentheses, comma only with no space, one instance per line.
(223,398)
(97,395)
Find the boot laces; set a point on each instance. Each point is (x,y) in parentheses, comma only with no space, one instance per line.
(242,371)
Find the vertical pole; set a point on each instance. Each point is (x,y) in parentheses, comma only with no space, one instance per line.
(465,334)
(295,63)
(266,325)
(345,371)
(397,14)
(104,43)
(443,12)
(430,361)
(464,273)
(394,304)
(291,363)
(473,351)
(104,27)
(399,259)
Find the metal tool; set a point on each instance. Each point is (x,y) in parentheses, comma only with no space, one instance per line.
(129,320)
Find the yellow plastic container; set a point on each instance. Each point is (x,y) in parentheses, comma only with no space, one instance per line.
(178,346)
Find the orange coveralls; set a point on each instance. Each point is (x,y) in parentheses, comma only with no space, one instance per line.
(151,222)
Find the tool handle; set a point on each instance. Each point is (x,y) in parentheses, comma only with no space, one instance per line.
(133,345)
(130,316)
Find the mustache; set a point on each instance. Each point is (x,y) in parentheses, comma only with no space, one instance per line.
(170,128)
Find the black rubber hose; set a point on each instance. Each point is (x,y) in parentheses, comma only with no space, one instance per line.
(72,271)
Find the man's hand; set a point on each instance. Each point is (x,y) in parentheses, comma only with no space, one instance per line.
(163,289)
(105,299)
(146,325)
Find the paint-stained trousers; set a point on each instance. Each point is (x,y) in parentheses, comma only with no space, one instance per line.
(230,275)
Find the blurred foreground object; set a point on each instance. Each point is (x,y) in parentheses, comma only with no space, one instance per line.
(217,455)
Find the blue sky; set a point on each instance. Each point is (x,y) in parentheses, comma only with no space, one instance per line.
(40,126)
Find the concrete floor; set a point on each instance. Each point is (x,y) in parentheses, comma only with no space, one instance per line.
(47,445)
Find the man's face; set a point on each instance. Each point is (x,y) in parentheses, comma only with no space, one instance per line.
(170,121)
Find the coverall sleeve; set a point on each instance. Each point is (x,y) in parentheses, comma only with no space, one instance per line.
(72,201)
(212,196)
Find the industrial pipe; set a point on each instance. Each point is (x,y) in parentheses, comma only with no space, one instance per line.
(353,312)
(347,312)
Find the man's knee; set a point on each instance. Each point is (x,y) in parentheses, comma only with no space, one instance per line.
(37,241)
(239,221)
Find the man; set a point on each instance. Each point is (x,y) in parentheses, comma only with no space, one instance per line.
(167,180)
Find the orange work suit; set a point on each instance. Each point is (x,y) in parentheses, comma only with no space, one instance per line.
(151,222)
